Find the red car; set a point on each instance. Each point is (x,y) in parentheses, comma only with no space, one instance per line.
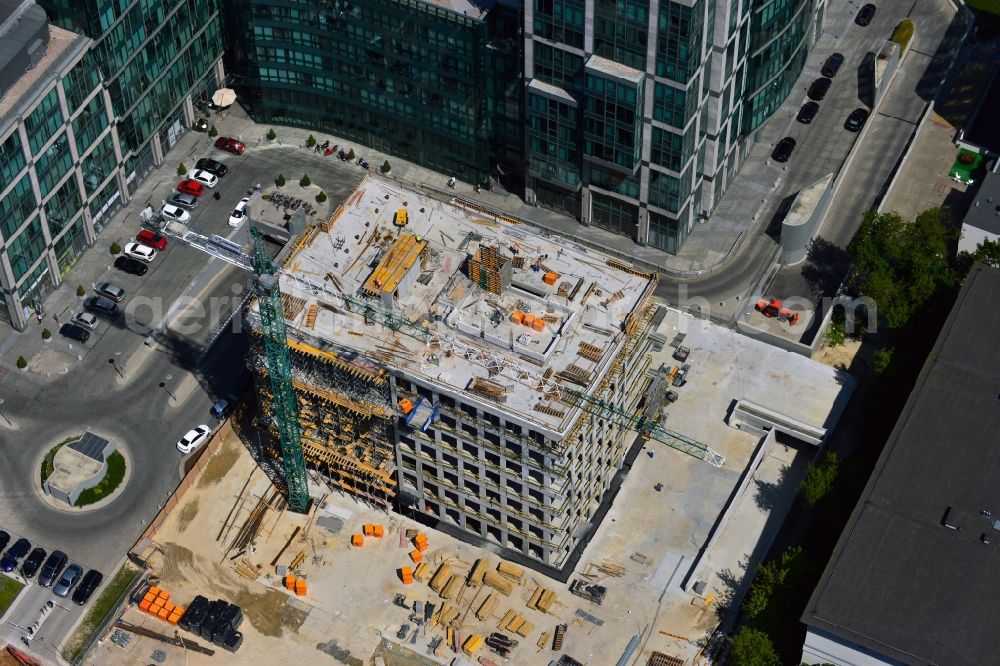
(192,187)
(230,145)
(152,239)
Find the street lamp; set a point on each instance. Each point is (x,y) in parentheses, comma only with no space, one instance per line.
(163,385)
(5,415)
(119,368)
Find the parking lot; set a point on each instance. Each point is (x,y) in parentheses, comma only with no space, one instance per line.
(27,608)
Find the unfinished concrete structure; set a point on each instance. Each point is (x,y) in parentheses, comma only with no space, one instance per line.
(431,352)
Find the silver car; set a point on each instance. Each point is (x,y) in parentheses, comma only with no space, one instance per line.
(185,201)
(85,319)
(68,580)
(109,290)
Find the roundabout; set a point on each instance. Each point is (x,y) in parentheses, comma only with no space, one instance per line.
(83,472)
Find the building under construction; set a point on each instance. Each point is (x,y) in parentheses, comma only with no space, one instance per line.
(448,361)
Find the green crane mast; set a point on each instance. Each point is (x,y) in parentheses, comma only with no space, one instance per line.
(279,366)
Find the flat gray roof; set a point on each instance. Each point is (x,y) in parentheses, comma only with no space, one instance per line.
(984,213)
(900,582)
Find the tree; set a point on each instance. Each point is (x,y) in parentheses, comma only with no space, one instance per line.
(212,132)
(311,141)
(770,576)
(901,265)
(752,647)
(271,135)
(386,167)
(321,197)
(819,479)
(882,360)
(305,182)
(80,291)
(116,248)
(988,252)
(22,363)
(279,181)
(46,334)
(181,169)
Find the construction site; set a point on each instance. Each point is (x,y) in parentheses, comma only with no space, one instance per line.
(465,367)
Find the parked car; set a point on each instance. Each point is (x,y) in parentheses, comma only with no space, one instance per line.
(150,238)
(807,112)
(68,580)
(52,568)
(14,554)
(110,290)
(832,65)
(90,582)
(194,438)
(131,266)
(185,201)
(856,120)
(817,91)
(230,145)
(32,562)
(866,14)
(192,187)
(206,178)
(212,166)
(76,332)
(85,319)
(175,213)
(783,150)
(239,213)
(140,252)
(101,306)
(224,406)
(4,540)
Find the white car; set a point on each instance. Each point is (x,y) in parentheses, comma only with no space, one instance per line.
(194,438)
(239,213)
(85,319)
(175,213)
(140,252)
(206,178)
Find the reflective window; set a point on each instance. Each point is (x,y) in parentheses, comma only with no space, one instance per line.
(26,248)
(11,159)
(17,206)
(44,121)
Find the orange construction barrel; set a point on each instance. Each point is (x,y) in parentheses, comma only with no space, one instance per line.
(416,556)
(300,587)
(539,324)
(145,604)
(357,540)
(378,530)
(289,582)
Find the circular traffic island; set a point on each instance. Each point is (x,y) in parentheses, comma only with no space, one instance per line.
(83,472)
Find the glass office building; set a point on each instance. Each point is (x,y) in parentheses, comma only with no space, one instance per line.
(435,83)
(639,113)
(159,58)
(59,157)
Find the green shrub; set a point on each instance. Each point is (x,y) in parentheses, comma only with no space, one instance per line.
(46,334)
(305,182)
(836,333)
(181,169)
(279,181)
(350,154)
(882,360)
(753,647)
(21,362)
(271,135)
(311,141)
(116,249)
(903,34)
(80,291)
(212,132)
(321,197)
(819,479)
(386,167)
(113,478)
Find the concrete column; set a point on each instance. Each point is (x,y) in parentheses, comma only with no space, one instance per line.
(585,205)
(188,108)
(157,148)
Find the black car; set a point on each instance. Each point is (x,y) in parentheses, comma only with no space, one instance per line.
(102,306)
(212,166)
(832,65)
(131,266)
(52,568)
(807,112)
(856,120)
(91,581)
(866,14)
(818,89)
(75,332)
(783,150)
(14,555)
(31,563)
(4,540)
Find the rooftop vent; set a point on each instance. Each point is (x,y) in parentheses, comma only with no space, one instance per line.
(952,519)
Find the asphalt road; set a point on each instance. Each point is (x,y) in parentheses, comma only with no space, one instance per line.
(823,145)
